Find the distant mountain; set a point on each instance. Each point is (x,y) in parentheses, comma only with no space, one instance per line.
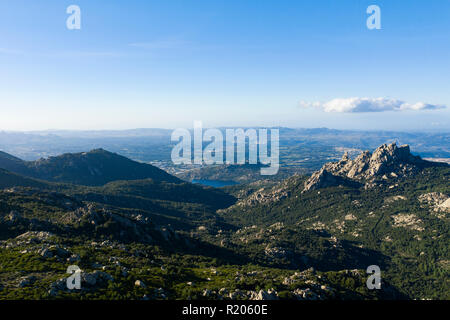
(93,168)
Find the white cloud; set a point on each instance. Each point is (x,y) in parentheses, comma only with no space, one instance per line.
(368,105)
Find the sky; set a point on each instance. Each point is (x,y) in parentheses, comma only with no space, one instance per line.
(164,64)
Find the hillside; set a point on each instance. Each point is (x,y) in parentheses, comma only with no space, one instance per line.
(13,164)
(237,173)
(398,215)
(160,252)
(9,180)
(93,168)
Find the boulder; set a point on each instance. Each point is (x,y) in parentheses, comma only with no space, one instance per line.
(139,283)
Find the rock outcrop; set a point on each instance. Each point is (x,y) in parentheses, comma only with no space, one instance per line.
(324,178)
(438,202)
(387,161)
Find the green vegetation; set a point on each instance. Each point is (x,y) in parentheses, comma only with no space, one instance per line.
(167,239)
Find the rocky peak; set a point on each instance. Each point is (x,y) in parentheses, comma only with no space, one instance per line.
(388,159)
(385,159)
(324,178)
(390,153)
(345,157)
(320,179)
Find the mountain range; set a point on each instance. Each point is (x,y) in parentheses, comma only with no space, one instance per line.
(140,233)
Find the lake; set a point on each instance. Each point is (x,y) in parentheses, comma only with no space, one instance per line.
(214,183)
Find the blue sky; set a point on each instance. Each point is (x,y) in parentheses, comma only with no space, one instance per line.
(226,63)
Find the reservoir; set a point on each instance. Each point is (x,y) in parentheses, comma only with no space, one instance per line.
(214,183)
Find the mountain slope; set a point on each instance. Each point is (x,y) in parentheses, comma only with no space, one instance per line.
(129,232)
(10,179)
(387,162)
(93,168)
(12,163)
(398,213)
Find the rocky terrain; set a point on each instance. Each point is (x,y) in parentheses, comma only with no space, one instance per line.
(386,162)
(388,208)
(304,238)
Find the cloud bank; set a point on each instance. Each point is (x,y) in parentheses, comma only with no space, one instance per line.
(369,105)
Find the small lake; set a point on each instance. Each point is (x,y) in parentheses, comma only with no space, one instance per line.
(214,183)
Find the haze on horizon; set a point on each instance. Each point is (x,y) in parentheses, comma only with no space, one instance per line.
(153,64)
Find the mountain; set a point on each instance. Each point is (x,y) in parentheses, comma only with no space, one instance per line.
(386,208)
(10,179)
(387,161)
(93,168)
(12,163)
